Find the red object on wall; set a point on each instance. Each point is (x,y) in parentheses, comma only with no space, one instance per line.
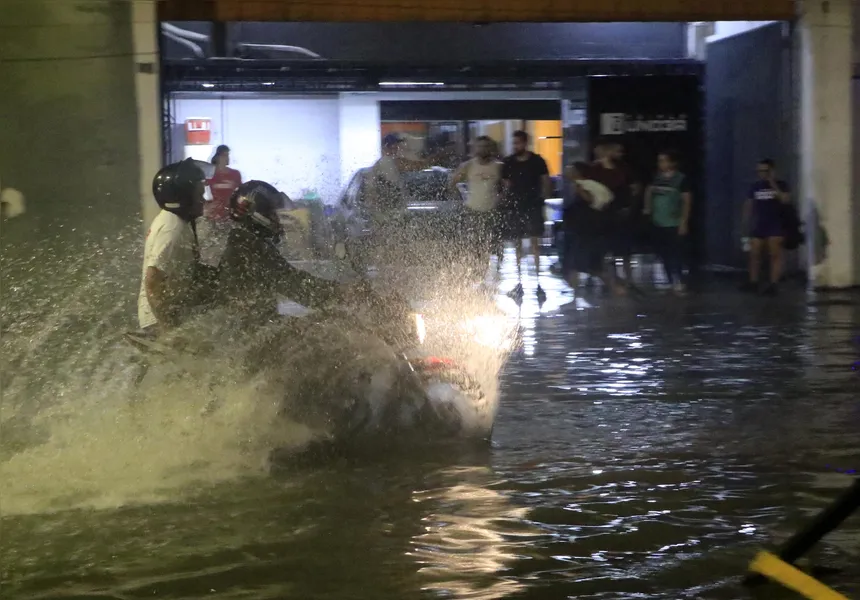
(198,131)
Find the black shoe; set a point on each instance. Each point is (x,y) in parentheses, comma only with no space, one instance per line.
(541,295)
(749,287)
(770,290)
(517,293)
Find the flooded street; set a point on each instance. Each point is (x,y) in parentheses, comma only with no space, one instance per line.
(645,447)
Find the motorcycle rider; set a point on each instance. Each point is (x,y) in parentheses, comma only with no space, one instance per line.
(253,272)
(174,281)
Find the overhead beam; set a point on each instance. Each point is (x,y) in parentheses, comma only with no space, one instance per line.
(489,11)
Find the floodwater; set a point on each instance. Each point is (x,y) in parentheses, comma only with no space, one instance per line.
(645,447)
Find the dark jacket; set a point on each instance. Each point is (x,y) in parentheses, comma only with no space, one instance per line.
(253,274)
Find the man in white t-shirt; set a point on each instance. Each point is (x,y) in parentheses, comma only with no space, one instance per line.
(171,278)
(483,177)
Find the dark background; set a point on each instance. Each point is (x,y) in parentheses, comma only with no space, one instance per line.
(452,43)
(651,97)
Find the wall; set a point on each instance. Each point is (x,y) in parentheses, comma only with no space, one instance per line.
(725,29)
(546,140)
(748,117)
(360,133)
(293,143)
(68,119)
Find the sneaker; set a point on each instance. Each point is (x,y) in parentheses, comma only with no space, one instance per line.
(680,289)
(541,295)
(517,293)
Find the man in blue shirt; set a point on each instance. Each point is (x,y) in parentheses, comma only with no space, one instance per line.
(763,220)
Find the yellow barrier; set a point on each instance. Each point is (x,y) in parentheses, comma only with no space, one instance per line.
(772,567)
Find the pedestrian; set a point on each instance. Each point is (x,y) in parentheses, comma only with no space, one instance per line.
(586,222)
(222,184)
(609,169)
(482,175)
(763,220)
(668,201)
(526,185)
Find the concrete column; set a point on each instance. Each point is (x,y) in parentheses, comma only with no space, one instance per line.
(68,124)
(825,28)
(145,44)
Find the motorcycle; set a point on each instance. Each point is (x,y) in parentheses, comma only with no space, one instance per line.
(338,374)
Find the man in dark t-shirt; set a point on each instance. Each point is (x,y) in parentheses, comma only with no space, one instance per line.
(526,182)
(763,214)
(611,172)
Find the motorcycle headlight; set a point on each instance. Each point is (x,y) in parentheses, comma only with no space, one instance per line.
(420,328)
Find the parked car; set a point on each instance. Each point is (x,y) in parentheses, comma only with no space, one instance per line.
(431,209)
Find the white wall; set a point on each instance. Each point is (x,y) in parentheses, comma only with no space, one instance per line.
(360,131)
(292,143)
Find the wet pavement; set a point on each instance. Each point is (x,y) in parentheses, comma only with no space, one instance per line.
(645,447)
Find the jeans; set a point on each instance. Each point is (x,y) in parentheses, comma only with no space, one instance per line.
(669,247)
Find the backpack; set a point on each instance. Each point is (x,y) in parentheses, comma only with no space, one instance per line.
(792,227)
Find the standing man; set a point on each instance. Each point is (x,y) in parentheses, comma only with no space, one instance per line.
(173,280)
(482,176)
(609,170)
(763,214)
(526,182)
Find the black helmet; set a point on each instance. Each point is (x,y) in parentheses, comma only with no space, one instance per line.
(175,188)
(255,204)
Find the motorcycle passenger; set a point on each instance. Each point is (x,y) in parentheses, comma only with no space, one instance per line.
(174,281)
(253,272)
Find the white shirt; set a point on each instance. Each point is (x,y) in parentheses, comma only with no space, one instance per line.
(170,249)
(483,184)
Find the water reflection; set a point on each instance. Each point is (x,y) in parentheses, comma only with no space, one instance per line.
(472,537)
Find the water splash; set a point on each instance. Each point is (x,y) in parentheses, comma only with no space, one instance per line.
(77,432)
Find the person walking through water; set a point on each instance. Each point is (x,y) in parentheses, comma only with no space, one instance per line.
(668,201)
(763,219)
(482,175)
(526,186)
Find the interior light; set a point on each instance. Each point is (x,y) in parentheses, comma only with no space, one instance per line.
(209,85)
(411,84)
(268,83)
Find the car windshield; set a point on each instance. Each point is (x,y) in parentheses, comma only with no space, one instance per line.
(429,185)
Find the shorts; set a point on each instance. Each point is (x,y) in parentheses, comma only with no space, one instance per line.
(519,224)
(768,229)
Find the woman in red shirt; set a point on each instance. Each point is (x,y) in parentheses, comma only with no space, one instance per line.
(222,184)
